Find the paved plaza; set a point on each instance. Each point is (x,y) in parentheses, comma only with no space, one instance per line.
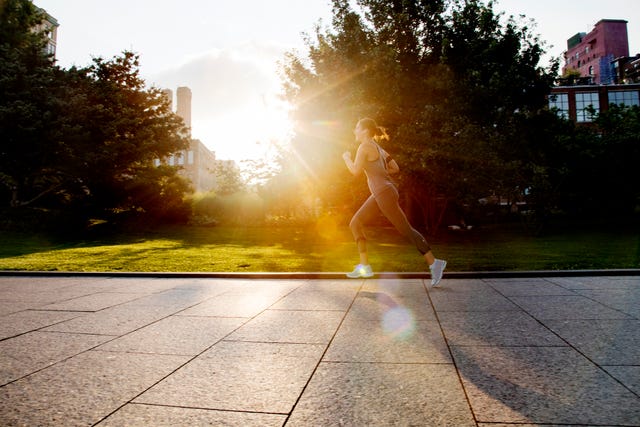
(193,351)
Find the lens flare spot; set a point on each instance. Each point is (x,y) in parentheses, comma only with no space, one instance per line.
(326,123)
(398,323)
(327,227)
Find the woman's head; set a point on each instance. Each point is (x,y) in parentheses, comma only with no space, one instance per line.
(367,127)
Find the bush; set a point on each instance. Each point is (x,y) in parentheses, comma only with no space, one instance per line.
(236,209)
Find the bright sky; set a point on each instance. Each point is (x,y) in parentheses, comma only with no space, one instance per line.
(227,51)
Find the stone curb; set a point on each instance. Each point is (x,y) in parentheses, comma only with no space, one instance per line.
(327,275)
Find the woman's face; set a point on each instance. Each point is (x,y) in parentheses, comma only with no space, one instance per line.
(359,132)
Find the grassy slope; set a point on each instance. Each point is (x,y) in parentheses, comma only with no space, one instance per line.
(327,248)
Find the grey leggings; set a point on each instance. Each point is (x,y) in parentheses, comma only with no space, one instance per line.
(387,202)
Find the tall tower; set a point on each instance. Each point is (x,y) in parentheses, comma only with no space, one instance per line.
(197,162)
(168,94)
(183,107)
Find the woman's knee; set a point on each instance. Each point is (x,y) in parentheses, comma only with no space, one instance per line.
(355,224)
(357,229)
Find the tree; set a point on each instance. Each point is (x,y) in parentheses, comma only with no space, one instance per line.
(83,141)
(228,177)
(27,75)
(456,88)
(611,179)
(127,127)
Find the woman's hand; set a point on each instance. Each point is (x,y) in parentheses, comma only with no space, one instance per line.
(346,156)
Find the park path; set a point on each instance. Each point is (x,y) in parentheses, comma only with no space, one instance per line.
(135,351)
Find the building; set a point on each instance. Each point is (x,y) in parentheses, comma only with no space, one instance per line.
(199,166)
(627,69)
(50,29)
(198,162)
(168,94)
(183,105)
(572,102)
(593,54)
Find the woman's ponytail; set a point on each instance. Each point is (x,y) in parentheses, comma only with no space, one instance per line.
(378,133)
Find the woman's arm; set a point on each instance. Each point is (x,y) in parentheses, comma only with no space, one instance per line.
(356,167)
(392,166)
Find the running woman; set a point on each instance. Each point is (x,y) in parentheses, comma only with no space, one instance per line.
(378,165)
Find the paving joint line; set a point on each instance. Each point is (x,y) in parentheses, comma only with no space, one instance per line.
(571,346)
(324,352)
(427,289)
(190,358)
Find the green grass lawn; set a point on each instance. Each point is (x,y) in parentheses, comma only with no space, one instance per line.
(314,249)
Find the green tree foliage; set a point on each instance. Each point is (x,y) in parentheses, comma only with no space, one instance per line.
(127,127)
(228,178)
(82,142)
(457,87)
(585,170)
(614,154)
(287,194)
(26,75)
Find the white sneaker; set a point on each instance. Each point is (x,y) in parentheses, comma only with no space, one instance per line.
(437,269)
(361,271)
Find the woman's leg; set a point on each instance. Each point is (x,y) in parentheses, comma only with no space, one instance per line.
(359,220)
(388,203)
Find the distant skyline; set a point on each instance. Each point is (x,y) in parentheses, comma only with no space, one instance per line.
(227,52)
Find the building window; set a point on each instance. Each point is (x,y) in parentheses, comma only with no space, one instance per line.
(179,159)
(591,70)
(627,98)
(584,100)
(190,157)
(560,101)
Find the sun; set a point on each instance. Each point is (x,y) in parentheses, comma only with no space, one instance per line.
(249,133)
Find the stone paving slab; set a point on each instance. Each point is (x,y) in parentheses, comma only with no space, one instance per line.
(28,353)
(474,296)
(9,307)
(242,377)
(310,299)
(383,394)
(376,305)
(596,282)
(166,416)
(627,375)
(82,390)
(567,307)
(391,340)
(508,328)
(547,385)
(528,287)
(282,326)
(21,322)
(178,335)
(606,342)
(93,302)
(122,351)
(625,300)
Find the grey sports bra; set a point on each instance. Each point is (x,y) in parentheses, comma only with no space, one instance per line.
(377,174)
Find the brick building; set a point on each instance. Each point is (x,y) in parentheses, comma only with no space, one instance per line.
(593,54)
(627,69)
(572,101)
